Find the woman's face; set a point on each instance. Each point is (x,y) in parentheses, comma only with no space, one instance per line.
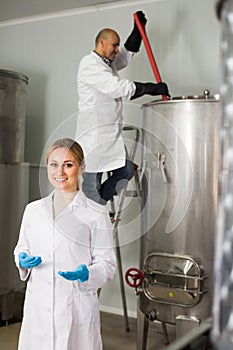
(63,170)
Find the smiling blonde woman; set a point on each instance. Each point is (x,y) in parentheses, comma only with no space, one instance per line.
(65,253)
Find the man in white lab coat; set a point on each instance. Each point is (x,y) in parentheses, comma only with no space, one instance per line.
(100,120)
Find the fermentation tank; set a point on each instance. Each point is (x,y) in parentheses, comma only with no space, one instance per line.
(179,202)
(12,116)
(222,332)
(14,179)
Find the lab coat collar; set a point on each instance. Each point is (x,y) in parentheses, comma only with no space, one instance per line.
(47,202)
(80,200)
(102,59)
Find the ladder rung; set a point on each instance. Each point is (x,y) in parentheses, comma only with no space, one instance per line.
(129,193)
(132,193)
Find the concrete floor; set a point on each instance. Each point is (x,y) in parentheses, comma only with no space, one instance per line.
(113,334)
(9,336)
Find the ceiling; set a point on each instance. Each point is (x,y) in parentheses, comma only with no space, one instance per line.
(12,9)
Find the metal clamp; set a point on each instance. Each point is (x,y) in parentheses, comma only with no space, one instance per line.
(161,165)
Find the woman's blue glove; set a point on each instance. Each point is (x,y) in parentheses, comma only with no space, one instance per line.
(27,262)
(81,274)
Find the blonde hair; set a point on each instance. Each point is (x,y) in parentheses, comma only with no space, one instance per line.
(71,145)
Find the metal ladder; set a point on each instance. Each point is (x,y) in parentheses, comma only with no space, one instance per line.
(117,213)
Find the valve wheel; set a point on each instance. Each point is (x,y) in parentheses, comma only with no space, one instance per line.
(134,277)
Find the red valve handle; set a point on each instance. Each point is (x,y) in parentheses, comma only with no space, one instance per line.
(134,277)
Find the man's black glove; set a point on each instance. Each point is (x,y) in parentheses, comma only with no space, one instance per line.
(134,40)
(219,6)
(150,89)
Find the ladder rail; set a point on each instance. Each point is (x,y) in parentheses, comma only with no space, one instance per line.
(117,213)
(136,139)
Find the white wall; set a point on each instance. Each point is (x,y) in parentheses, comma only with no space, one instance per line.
(184,35)
(16,9)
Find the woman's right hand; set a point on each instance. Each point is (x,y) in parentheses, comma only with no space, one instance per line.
(28,261)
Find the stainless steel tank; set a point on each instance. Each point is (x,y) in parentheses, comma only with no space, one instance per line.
(12,116)
(222,331)
(14,179)
(13,199)
(180,138)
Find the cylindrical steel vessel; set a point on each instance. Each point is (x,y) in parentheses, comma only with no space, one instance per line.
(13,199)
(180,138)
(14,175)
(222,331)
(12,116)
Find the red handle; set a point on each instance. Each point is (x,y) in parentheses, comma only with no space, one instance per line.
(142,31)
(134,277)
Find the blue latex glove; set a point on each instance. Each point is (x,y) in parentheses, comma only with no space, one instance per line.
(27,262)
(81,274)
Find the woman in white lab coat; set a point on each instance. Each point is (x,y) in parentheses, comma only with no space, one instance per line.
(65,252)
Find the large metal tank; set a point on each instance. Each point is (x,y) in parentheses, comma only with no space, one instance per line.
(180,138)
(14,179)
(222,331)
(13,199)
(12,116)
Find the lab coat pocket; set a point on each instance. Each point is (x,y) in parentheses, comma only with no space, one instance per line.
(87,307)
(29,316)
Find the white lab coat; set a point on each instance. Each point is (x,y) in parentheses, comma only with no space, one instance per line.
(100,120)
(61,314)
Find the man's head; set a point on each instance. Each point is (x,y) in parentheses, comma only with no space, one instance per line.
(107,43)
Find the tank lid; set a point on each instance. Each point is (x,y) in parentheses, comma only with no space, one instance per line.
(205,97)
(8,73)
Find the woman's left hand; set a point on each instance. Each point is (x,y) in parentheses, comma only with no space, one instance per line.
(81,274)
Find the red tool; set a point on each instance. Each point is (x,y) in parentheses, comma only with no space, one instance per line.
(142,31)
